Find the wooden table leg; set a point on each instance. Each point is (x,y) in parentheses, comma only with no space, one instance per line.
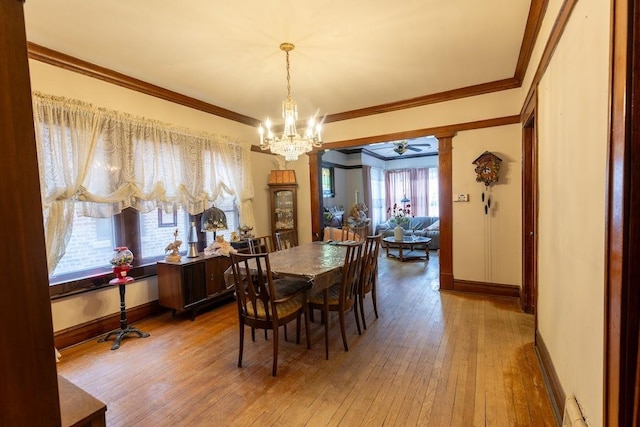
(326,321)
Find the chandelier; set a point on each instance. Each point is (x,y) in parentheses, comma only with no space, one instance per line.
(290,144)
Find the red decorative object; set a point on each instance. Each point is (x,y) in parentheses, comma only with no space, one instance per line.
(121,271)
(121,262)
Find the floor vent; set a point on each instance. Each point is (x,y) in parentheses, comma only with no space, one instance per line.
(572,414)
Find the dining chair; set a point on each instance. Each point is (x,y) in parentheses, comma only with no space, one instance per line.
(286,239)
(262,244)
(357,233)
(267,303)
(369,276)
(339,234)
(341,296)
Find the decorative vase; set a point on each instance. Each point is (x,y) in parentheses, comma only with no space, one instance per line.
(398,233)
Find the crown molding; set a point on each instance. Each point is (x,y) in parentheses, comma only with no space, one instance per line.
(534,22)
(434,98)
(447,130)
(71,63)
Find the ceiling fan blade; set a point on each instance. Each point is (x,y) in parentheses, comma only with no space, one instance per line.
(412,148)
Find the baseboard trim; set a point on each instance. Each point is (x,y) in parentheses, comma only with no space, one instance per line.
(90,330)
(556,393)
(485,288)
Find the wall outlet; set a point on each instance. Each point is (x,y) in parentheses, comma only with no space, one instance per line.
(461,198)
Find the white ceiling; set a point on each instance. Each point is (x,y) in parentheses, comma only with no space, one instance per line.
(349,54)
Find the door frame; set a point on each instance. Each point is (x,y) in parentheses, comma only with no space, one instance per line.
(529,292)
(622,293)
(445,137)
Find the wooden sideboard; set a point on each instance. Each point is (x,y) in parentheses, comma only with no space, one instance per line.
(193,283)
(78,408)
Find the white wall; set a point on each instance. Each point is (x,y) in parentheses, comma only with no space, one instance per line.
(487,247)
(573,127)
(262,165)
(57,81)
(301,166)
(78,309)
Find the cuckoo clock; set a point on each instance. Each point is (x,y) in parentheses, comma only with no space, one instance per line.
(487,167)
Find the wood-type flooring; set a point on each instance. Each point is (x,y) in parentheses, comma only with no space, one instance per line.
(432,359)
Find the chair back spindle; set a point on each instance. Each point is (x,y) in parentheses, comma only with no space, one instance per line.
(369,277)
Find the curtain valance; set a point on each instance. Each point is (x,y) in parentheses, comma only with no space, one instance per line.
(107,161)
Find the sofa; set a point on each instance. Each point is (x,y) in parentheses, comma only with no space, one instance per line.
(426,226)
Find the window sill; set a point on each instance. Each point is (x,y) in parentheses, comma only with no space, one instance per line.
(98,280)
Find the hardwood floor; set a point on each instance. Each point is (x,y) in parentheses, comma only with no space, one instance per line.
(432,359)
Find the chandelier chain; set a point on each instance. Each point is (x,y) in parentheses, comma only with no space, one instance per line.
(288,79)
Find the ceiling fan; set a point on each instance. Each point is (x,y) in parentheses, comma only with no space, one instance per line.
(400,147)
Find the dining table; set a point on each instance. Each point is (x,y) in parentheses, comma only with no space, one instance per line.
(318,262)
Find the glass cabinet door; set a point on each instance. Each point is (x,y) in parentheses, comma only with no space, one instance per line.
(284,210)
(283,207)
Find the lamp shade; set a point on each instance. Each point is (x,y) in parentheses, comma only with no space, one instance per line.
(213,219)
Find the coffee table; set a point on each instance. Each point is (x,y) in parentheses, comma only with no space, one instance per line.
(406,247)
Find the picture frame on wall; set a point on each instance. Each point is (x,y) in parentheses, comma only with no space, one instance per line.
(167,219)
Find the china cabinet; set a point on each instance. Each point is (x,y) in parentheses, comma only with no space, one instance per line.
(284,202)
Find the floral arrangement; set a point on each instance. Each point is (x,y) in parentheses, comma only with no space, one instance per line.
(122,257)
(213,224)
(398,214)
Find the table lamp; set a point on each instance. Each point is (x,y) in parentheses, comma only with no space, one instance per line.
(193,241)
(213,219)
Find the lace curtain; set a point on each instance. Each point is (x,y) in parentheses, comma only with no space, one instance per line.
(108,161)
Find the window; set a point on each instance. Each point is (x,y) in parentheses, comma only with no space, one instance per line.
(417,187)
(98,173)
(377,210)
(90,248)
(155,237)
(434,194)
(328,183)
(92,241)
